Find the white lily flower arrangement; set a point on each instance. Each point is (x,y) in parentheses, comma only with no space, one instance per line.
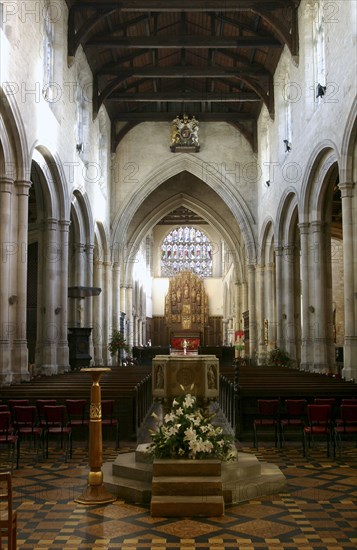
(187,432)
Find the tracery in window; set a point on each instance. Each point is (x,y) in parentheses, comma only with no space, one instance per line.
(186,249)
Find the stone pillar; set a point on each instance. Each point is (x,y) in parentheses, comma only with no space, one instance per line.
(318,300)
(270,293)
(107,308)
(244,290)
(88,302)
(20,352)
(252,311)
(289,293)
(279,297)
(6,188)
(350,279)
(123,304)
(117,303)
(48,337)
(261,313)
(129,315)
(98,311)
(306,336)
(62,307)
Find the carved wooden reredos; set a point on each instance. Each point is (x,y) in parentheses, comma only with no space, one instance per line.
(186,303)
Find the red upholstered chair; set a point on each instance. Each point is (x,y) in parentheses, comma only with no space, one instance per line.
(108,418)
(319,426)
(8,438)
(267,419)
(8,516)
(27,428)
(295,417)
(56,428)
(77,414)
(40,404)
(346,426)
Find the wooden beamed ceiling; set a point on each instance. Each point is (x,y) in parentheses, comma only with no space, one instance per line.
(154,59)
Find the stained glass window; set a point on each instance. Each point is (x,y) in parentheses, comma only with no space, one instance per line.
(186,249)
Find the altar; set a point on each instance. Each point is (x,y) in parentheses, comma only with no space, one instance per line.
(171,373)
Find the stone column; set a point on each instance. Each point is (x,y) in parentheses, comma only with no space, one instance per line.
(48,337)
(123,304)
(350,283)
(252,311)
(261,313)
(129,315)
(289,292)
(306,336)
(107,308)
(6,188)
(20,352)
(279,297)
(88,302)
(98,311)
(270,293)
(318,301)
(118,304)
(62,307)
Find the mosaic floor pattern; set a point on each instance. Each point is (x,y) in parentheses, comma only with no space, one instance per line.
(318,510)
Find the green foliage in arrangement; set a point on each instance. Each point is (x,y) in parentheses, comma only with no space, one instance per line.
(117,342)
(187,432)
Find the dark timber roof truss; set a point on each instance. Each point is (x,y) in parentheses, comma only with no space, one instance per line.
(154,59)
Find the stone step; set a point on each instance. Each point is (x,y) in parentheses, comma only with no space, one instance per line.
(126,466)
(270,481)
(187,506)
(184,485)
(174,467)
(130,490)
(247,466)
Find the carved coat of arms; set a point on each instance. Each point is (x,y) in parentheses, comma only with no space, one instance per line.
(184,134)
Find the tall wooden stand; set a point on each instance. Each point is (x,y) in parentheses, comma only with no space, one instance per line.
(95,493)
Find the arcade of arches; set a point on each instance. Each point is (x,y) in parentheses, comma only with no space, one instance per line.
(272,206)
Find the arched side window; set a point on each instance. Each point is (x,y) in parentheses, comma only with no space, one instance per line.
(48,54)
(186,249)
(318,32)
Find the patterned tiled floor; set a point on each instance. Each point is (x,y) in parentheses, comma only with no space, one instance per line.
(318,510)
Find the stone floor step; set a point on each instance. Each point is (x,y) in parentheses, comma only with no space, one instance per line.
(184,467)
(125,465)
(130,490)
(187,506)
(184,485)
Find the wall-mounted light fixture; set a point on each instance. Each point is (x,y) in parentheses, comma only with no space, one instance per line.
(13,299)
(311,309)
(58,310)
(267,183)
(287,145)
(320,90)
(80,147)
(284,316)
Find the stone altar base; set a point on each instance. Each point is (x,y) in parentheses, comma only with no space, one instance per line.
(171,373)
(130,478)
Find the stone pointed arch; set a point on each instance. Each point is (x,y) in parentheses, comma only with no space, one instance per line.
(348,167)
(322,158)
(288,203)
(164,208)
(13,137)
(56,192)
(81,206)
(185,162)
